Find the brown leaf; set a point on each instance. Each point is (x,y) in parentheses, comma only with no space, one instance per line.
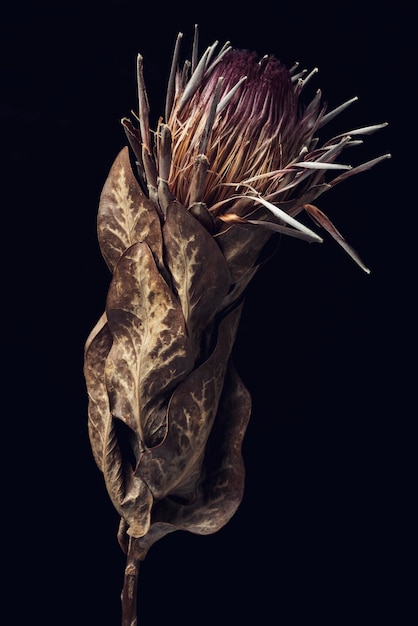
(242,244)
(191,414)
(97,348)
(125,214)
(150,353)
(222,489)
(198,269)
(130,495)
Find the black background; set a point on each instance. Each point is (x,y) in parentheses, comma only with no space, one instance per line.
(326,351)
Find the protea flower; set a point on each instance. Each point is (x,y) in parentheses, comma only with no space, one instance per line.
(234,160)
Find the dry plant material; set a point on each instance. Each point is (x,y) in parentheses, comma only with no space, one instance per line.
(184,218)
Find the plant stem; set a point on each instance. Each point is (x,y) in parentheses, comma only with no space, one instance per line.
(130,587)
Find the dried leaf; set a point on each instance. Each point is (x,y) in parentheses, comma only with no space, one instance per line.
(191,413)
(198,269)
(221,492)
(242,244)
(126,216)
(222,489)
(130,495)
(225,470)
(97,348)
(150,353)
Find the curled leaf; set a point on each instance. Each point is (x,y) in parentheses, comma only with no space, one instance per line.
(130,495)
(150,350)
(191,414)
(198,269)
(219,489)
(126,215)
(97,348)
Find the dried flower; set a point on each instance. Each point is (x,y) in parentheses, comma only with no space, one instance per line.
(238,143)
(234,161)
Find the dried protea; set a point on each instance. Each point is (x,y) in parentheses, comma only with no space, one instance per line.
(234,161)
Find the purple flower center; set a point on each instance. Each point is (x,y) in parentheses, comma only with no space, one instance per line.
(266,96)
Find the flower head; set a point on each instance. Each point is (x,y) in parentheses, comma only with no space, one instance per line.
(256,109)
(238,141)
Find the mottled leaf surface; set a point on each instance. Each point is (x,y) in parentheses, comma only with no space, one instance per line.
(200,274)
(191,414)
(130,495)
(126,216)
(151,352)
(96,350)
(223,488)
(218,495)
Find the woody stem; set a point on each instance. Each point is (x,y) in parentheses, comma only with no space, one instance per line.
(130,587)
